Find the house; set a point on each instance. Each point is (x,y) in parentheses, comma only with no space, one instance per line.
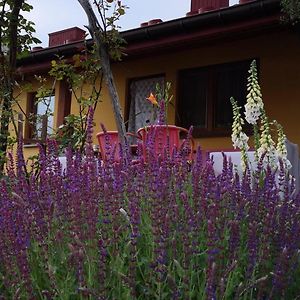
(205,55)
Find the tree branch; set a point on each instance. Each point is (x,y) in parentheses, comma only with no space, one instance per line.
(96,32)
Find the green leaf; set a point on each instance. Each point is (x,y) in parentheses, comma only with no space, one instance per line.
(121,11)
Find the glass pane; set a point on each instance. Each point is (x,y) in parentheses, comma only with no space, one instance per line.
(230,81)
(193,98)
(45,106)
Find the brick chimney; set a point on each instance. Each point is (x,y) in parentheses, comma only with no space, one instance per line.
(200,6)
(66,36)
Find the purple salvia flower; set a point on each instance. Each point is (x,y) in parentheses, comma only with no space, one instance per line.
(196,184)
(207,178)
(234,239)
(102,268)
(134,208)
(162,113)
(281,271)
(21,165)
(211,281)
(89,135)
(246,182)
(158,216)
(10,166)
(252,246)
(189,229)
(185,149)
(149,146)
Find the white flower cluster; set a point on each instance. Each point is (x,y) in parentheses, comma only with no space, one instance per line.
(281,150)
(239,138)
(254,105)
(267,145)
(255,115)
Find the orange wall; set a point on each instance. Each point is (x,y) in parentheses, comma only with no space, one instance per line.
(279,60)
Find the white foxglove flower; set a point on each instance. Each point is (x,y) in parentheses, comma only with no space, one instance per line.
(254,105)
(281,151)
(267,145)
(239,138)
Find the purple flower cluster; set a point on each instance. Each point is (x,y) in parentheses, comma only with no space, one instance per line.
(167,228)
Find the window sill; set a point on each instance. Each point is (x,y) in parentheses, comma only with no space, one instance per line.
(202,133)
(30,145)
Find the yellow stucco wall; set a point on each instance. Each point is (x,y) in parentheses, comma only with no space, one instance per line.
(279,61)
(31,84)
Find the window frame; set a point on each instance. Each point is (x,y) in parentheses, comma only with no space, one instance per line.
(63,101)
(209,129)
(31,125)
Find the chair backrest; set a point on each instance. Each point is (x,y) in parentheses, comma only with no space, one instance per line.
(158,137)
(109,142)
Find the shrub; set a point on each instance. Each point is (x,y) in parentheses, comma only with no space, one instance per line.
(165,229)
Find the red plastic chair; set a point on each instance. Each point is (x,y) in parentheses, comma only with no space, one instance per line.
(114,144)
(160,135)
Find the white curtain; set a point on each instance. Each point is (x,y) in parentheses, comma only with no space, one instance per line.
(141,110)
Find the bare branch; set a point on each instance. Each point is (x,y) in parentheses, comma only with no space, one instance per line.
(96,32)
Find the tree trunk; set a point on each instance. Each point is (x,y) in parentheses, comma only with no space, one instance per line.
(96,32)
(4,126)
(8,83)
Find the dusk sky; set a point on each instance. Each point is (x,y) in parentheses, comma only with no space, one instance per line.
(55,15)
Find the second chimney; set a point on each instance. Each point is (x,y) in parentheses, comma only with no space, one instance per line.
(66,36)
(199,6)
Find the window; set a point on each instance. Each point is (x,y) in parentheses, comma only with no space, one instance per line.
(37,108)
(204,97)
(140,112)
(40,116)
(45,107)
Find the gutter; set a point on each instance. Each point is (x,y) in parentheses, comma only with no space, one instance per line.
(224,16)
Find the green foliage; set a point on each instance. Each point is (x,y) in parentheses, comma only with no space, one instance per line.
(84,70)
(110,11)
(11,141)
(292,10)
(164,94)
(161,100)
(25,30)
(43,91)
(71,132)
(16,37)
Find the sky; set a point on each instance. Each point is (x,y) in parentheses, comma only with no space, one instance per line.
(54,15)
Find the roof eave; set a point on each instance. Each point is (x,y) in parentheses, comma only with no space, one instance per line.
(173,33)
